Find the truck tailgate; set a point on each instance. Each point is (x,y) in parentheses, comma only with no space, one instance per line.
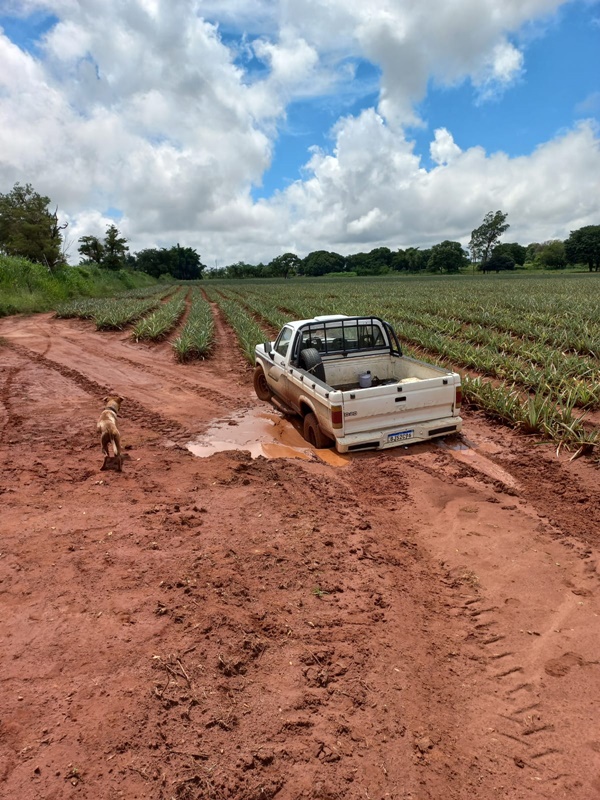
(381,406)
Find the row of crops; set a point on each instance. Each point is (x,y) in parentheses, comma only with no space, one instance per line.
(528,348)
(154,313)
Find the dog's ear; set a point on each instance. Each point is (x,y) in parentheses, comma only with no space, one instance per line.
(105,399)
(120,399)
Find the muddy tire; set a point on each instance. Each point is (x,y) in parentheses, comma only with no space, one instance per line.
(310,360)
(313,433)
(261,387)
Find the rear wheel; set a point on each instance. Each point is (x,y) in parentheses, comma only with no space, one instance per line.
(261,387)
(313,433)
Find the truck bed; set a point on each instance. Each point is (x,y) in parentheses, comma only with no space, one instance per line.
(343,374)
(355,386)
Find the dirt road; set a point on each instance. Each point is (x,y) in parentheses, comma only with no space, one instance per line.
(421,623)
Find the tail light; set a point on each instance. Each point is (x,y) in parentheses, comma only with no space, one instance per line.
(337,417)
(458,398)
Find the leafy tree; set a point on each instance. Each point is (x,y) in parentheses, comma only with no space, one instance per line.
(399,261)
(416,259)
(499,261)
(447,257)
(359,263)
(531,253)
(583,247)
(551,255)
(380,260)
(285,265)
(487,235)
(153,261)
(91,249)
(115,249)
(185,264)
(516,250)
(28,229)
(321,261)
(241,270)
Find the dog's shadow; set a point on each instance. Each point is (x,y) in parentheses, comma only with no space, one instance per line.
(114,463)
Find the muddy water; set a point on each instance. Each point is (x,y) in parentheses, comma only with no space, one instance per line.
(261,432)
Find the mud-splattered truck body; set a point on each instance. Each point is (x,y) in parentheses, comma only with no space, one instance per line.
(349,381)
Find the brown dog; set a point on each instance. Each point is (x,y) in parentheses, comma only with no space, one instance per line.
(107,426)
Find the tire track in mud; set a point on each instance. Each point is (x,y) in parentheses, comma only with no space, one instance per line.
(136,411)
(370,494)
(209,394)
(11,418)
(407,600)
(542,482)
(525,723)
(521,726)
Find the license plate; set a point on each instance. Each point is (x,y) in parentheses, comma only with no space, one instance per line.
(400,436)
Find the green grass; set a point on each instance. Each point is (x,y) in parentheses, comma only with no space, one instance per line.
(26,288)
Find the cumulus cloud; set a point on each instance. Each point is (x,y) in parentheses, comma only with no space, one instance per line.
(148,108)
(443,149)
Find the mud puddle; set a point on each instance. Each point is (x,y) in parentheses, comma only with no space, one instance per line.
(260,432)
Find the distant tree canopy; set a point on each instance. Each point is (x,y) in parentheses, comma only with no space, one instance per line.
(109,254)
(115,249)
(548,255)
(417,259)
(28,229)
(447,257)
(515,250)
(583,247)
(182,263)
(505,256)
(487,236)
(500,261)
(320,262)
(285,265)
(92,249)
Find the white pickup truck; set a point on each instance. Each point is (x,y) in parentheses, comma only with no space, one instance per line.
(348,380)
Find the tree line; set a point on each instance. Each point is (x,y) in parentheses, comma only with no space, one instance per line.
(485,253)
(30,229)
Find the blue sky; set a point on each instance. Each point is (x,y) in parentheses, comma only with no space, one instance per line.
(246,128)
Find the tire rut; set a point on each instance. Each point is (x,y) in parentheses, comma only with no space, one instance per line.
(136,411)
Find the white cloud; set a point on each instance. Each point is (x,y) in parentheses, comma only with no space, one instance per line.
(501,69)
(145,107)
(443,149)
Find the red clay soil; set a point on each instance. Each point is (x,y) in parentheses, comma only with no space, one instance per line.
(420,623)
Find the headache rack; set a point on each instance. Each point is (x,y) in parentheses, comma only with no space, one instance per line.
(347,336)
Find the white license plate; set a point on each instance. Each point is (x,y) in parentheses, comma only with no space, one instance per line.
(400,436)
